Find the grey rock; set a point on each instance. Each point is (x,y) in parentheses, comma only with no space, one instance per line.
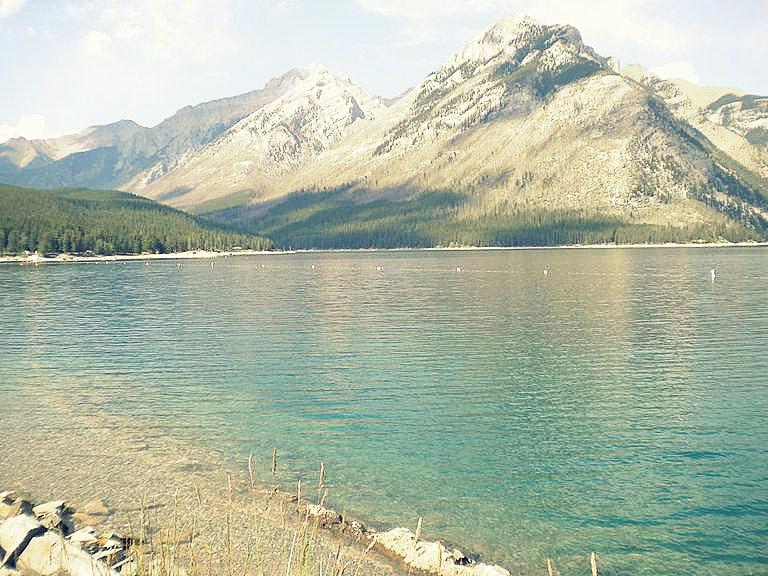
(50,554)
(86,539)
(432,556)
(53,507)
(324,516)
(12,505)
(15,535)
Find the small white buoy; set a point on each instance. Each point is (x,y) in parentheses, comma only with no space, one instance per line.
(546,272)
(211,263)
(458,268)
(378,268)
(313,266)
(712,274)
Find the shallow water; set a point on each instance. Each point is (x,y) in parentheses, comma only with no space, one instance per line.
(616,404)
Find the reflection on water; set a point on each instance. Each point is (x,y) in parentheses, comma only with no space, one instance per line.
(615,404)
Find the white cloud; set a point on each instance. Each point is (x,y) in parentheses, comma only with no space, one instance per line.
(286,6)
(8,7)
(171,28)
(423,9)
(629,21)
(95,43)
(30,126)
(681,70)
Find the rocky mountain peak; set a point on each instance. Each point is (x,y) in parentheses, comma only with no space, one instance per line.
(516,38)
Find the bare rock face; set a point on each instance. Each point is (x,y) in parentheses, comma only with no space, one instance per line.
(317,110)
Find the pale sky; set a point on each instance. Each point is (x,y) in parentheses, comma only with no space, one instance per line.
(68,64)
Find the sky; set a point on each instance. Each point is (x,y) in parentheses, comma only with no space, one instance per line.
(68,64)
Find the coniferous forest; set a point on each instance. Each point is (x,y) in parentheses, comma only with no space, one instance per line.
(325,220)
(106,222)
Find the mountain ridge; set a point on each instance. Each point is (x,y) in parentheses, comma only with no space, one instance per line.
(525,119)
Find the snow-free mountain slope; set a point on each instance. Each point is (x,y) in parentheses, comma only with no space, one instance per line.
(736,123)
(125,154)
(317,110)
(522,127)
(524,135)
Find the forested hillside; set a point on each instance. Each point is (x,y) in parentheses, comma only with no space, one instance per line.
(329,220)
(105,222)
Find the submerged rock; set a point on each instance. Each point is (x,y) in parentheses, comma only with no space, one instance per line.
(96,508)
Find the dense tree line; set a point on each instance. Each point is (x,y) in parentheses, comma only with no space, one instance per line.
(105,222)
(328,220)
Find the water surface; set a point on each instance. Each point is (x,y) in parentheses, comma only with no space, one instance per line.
(617,403)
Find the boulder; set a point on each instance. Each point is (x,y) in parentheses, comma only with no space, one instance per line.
(86,539)
(53,507)
(325,516)
(50,554)
(51,521)
(15,535)
(52,515)
(432,556)
(12,505)
(111,549)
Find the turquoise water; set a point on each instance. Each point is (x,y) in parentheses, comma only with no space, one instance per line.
(617,404)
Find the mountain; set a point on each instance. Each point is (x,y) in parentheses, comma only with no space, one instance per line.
(105,222)
(318,109)
(736,123)
(525,135)
(125,154)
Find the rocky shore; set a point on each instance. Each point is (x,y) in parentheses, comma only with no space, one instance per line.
(55,539)
(44,540)
(164,497)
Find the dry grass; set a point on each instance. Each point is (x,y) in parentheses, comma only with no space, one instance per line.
(260,531)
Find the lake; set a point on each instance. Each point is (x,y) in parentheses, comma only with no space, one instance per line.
(616,403)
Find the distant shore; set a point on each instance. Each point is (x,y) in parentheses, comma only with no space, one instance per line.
(189,255)
(203,254)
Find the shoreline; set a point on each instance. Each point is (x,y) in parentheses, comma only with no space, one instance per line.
(138,466)
(98,258)
(34,259)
